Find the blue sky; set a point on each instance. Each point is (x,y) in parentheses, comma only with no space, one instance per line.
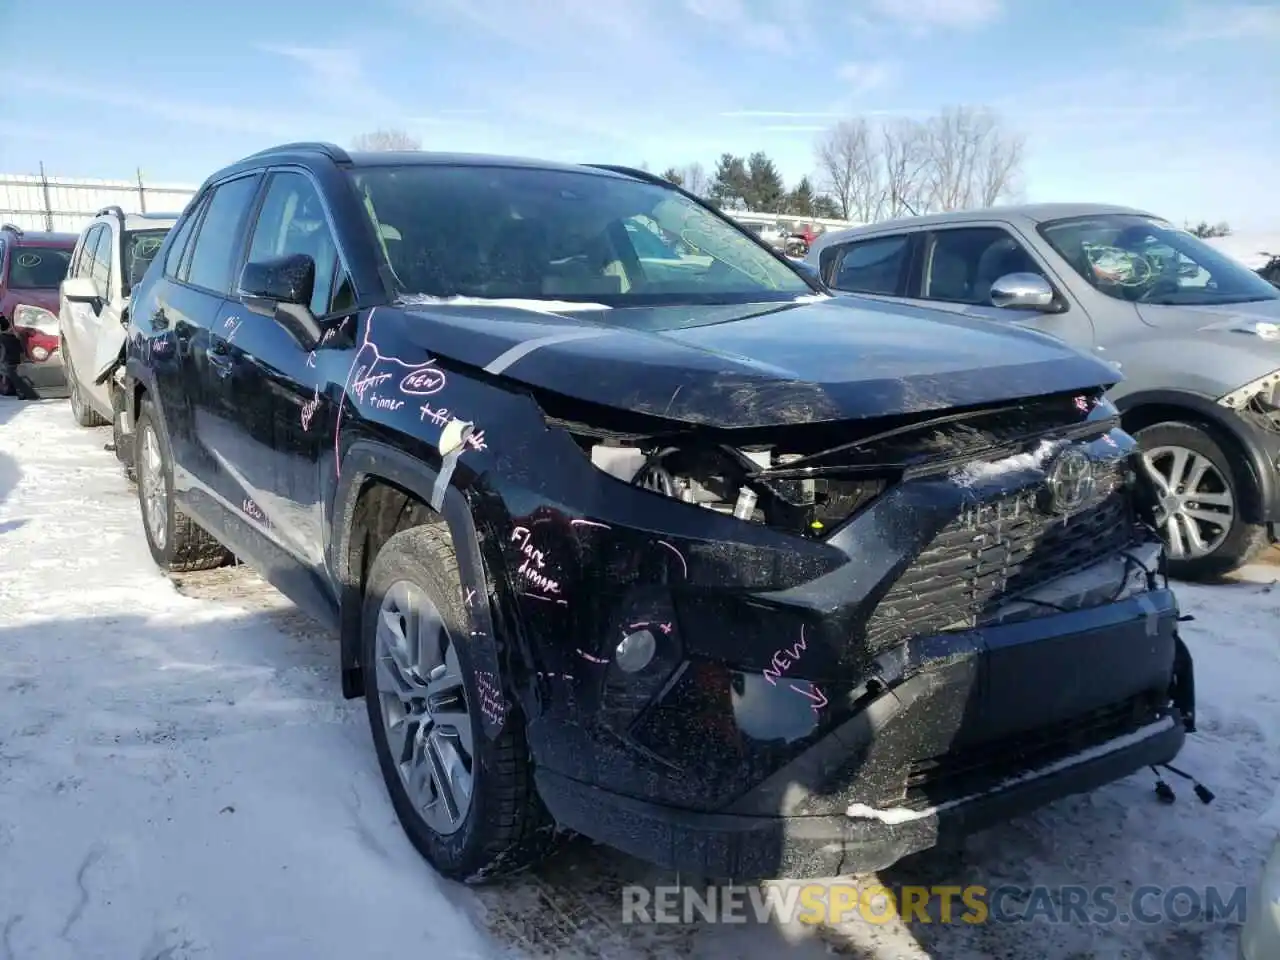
(1165,104)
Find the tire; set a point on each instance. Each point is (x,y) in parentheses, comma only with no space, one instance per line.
(81,409)
(504,827)
(178,544)
(1237,542)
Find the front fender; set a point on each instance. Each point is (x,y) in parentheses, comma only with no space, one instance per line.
(1261,449)
(366,460)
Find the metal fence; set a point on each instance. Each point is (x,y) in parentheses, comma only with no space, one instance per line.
(41,202)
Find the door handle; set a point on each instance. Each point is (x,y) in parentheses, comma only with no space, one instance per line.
(219,357)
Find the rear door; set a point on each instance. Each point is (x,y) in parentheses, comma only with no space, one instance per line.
(876,267)
(196,296)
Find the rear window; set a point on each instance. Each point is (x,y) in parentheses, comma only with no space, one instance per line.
(38,268)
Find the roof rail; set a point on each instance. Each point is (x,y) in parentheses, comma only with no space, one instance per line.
(332,151)
(114,210)
(12,228)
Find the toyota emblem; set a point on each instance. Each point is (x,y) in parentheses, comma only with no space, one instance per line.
(1070,482)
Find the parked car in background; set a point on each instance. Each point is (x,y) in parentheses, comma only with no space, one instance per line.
(111,257)
(32,264)
(1260,934)
(1195,333)
(647,555)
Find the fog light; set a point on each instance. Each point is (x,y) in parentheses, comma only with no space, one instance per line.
(635,652)
(39,353)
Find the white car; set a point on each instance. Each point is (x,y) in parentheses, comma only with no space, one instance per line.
(1260,936)
(111,256)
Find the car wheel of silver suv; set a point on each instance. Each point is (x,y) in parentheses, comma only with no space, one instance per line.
(1203,502)
(85,415)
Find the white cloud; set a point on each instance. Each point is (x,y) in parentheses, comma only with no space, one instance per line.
(749,27)
(1202,22)
(864,77)
(920,16)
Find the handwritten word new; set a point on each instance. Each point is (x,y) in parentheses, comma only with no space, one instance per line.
(534,563)
(423,382)
(363,382)
(309,410)
(253,510)
(231,324)
(492,703)
(785,658)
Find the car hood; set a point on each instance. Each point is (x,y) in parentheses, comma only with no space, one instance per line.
(749,365)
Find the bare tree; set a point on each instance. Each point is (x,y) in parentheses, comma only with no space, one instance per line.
(972,161)
(905,160)
(849,163)
(694,179)
(382,140)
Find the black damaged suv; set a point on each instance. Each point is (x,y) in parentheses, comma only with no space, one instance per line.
(653,540)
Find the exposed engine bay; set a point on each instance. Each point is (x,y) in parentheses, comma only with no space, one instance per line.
(751,485)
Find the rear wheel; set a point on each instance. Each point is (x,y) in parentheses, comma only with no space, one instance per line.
(1203,496)
(81,409)
(178,544)
(467,803)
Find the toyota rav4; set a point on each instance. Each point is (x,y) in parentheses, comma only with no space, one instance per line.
(678,553)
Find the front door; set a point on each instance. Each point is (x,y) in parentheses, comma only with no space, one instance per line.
(958,266)
(280,423)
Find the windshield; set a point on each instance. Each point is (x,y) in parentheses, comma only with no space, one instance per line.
(140,248)
(519,233)
(1143,260)
(38,268)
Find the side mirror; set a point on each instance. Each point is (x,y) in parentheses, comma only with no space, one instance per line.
(287,279)
(81,290)
(281,288)
(1022,291)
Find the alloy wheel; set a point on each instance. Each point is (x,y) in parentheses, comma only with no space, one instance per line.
(1196,502)
(151,481)
(424,707)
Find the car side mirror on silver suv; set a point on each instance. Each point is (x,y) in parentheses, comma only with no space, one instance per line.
(1022,291)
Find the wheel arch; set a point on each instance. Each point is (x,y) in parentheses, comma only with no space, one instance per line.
(382,490)
(1147,408)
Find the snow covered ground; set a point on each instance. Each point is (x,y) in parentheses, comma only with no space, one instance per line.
(180,778)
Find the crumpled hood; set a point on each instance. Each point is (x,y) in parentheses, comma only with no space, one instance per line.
(751,365)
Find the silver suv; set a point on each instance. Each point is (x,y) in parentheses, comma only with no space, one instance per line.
(1195,333)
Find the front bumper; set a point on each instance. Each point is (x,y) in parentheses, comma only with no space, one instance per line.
(821,814)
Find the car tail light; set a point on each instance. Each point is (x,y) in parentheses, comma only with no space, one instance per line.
(37,328)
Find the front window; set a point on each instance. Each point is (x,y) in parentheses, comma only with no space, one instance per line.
(38,268)
(519,233)
(1144,260)
(140,248)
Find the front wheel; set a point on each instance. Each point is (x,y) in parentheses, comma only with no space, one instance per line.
(1202,497)
(467,803)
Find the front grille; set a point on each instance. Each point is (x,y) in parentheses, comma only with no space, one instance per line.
(996,551)
(979,768)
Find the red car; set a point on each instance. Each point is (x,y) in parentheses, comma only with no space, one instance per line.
(32,267)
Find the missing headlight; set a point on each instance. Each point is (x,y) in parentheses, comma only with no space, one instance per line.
(736,482)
